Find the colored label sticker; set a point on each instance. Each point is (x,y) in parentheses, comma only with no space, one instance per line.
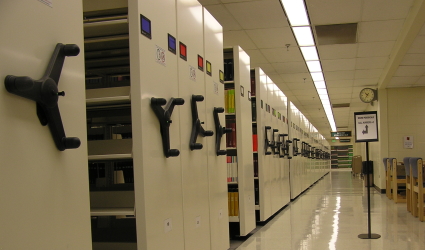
(183,51)
(200,63)
(209,68)
(172,44)
(145,26)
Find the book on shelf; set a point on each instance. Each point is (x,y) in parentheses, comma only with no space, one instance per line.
(232,169)
(253,110)
(255,165)
(233,202)
(254,143)
(252,84)
(229,100)
(228,70)
(231,137)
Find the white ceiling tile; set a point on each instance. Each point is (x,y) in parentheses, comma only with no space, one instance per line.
(410,71)
(256,56)
(413,59)
(339,83)
(247,14)
(334,11)
(338,64)
(208,2)
(304,86)
(337,51)
(295,78)
(223,17)
(368,73)
(403,80)
(422,31)
(272,37)
(340,98)
(266,67)
(420,81)
(336,91)
(339,75)
(366,82)
(375,49)
(371,62)
(290,67)
(282,55)
(239,37)
(385,9)
(417,45)
(379,31)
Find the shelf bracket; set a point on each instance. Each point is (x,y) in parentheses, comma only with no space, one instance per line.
(219,131)
(267,143)
(197,128)
(164,117)
(46,95)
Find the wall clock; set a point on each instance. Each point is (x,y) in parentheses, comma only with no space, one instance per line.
(368,95)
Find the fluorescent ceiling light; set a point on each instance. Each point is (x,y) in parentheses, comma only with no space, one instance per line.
(309,53)
(296,12)
(317,76)
(320,85)
(322,91)
(304,36)
(324,97)
(314,66)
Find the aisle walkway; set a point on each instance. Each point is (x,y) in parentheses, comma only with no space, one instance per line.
(332,214)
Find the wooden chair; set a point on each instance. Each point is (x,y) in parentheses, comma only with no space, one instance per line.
(408,184)
(421,184)
(396,180)
(387,178)
(417,186)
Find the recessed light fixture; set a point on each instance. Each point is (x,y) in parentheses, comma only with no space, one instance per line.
(296,12)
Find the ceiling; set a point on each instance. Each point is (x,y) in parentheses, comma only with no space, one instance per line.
(388,52)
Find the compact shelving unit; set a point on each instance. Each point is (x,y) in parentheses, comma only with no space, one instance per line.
(152,91)
(237,80)
(342,156)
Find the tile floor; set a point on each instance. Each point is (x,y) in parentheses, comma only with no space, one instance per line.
(331,215)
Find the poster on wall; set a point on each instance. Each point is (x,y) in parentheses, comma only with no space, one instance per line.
(408,142)
(366,126)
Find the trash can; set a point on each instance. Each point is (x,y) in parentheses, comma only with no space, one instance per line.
(367,167)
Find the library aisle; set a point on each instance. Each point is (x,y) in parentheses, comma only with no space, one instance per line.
(332,214)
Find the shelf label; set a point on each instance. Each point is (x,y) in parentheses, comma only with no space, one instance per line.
(183,51)
(160,56)
(200,63)
(171,44)
(215,88)
(209,68)
(192,73)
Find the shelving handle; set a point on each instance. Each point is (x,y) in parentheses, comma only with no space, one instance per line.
(197,128)
(219,131)
(164,117)
(46,95)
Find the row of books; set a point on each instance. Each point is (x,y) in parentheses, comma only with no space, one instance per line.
(228,70)
(229,100)
(107,81)
(252,84)
(254,143)
(122,173)
(231,137)
(232,169)
(233,201)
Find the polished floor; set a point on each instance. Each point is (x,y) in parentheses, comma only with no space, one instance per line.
(331,215)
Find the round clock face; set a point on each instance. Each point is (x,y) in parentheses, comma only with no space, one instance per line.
(367,95)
